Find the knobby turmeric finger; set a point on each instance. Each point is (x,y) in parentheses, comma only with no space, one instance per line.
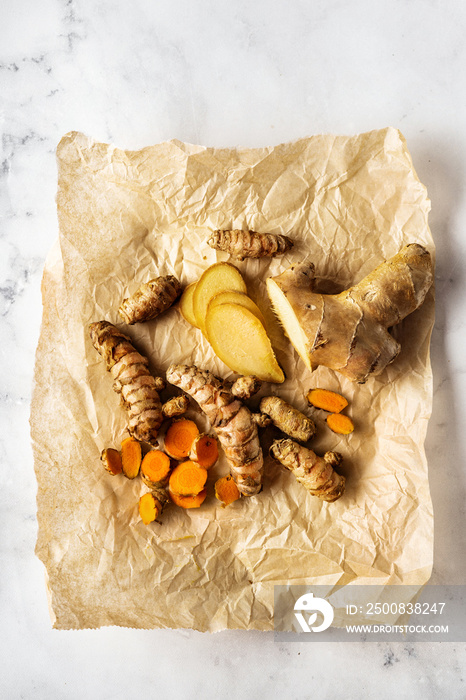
(327,400)
(150,300)
(189,501)
(175,406)
(131,457)
(187,479)
(155,468)
(151,505)
(288,419)
(180,437)
(204,450)
(226,490)
(111,459)
(340,423)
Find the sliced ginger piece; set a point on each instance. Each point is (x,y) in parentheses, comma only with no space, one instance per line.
(131,457)
(189,501)
(155,468)
(180,437)
(237,298)
(219,277)
(240,340)
(186,304)
(204,450)
(327,400)
(226,490)
(339,423)
(187,479)
(111,459)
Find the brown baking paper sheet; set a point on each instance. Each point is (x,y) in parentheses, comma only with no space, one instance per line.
(128,216)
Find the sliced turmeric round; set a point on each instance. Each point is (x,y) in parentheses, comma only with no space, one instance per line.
(187,479)
(155,468)
(149,508)
(111,459)
(189,501)
(131,457)
(180,437)
(327,400)
(204,450)
(226,490)
(339,423)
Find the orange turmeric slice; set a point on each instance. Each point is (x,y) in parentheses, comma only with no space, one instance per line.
(180,437)
(340,423)
(155,468)
(187,479)
(204,450)
(131,456)
(189,501)
(150,506)
(226,490)
(111,459)
(327,400)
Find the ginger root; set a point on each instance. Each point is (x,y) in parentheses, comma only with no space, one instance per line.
(132,378)
(315,473)
(288,419)
(348,332)
(232,421)
(327,400)
(249,244)
(150,300)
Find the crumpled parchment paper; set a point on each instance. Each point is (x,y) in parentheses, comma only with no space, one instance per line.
(128,216)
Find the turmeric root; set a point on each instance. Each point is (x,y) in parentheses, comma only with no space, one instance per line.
(315,473)
(249,244)
(340,423)
(132,380)
(180,437)
(189,501)
(348,332)
(204,450)
(327,400)
(111,459)
(245,387)
(226,490)
(151,505)
(187,479)
(261,420)
(150,300)
(155,468)
(176,406)
(232,421)
(131,457)
(288,419)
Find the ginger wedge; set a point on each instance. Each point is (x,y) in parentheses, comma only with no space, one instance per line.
(239,339)
(219,277)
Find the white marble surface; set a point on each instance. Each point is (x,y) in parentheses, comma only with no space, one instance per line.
(218,73)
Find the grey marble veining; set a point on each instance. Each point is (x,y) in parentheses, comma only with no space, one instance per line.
(222,74)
